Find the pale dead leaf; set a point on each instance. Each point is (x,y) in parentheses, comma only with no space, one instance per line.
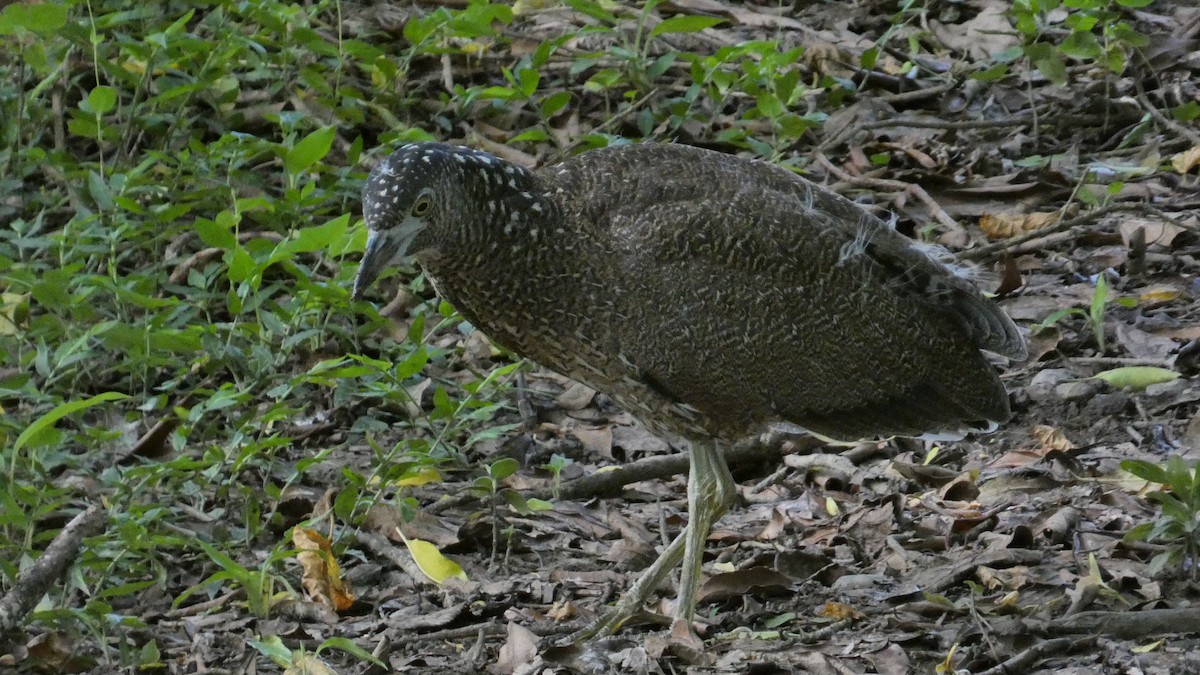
(576,397)
(988,33)
(596,440)
(1005,225)
(891,661)
(519,649)
(1052,438)
(1157,232)
(1187,160)
(308,664)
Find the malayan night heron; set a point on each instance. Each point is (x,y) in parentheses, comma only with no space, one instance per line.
(711,296)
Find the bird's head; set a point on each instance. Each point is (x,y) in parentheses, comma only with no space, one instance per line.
(428,195)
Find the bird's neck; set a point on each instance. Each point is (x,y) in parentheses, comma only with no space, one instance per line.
(509,220)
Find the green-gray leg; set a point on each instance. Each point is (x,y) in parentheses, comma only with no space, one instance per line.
(710,492)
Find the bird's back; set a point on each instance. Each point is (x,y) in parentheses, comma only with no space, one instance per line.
(714,295)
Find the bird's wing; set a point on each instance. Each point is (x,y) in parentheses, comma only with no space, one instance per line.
(753,215)
(811,310)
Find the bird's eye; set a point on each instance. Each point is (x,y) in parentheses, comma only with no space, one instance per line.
(421,206)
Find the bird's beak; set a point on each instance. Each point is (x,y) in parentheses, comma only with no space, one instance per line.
(382,248)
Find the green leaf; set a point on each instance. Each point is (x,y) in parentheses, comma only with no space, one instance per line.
(503,468)
(1099,299)
(1145,470)
(592,9)
(100,192)
(684,24)
(554,103)
(1138,533)
(515,501)
(273,648)
(102,99)
(348,646)
(45,17)
(1053,68)
(60,411)
(1081,45)
(310,150)
(215,234)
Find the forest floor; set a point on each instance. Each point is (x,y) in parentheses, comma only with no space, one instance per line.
(1072,188)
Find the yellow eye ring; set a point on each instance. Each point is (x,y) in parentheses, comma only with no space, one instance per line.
(421,206)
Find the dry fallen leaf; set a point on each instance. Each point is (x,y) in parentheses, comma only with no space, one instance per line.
(1052,438)
(308,664)
(1006,225)
(322,579)
(1156,232)
(839,611)
(1187,160)
(517,651)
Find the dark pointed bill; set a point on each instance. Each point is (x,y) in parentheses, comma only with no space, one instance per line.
(381,250)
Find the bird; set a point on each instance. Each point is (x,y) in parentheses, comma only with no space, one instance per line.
(712,296)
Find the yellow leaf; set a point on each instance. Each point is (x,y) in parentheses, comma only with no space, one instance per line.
(422,477)
(831,507)
(931,455)
(1160,294)
(947,665)
(1137,377)
(436,566)
(1146,649)
(10,303)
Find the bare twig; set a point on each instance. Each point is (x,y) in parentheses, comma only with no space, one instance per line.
(1023,662)
(913,189)
(35,581)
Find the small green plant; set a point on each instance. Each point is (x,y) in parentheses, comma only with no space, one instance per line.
(1178,525)
(258,585)
(1091,31)
(300,661)
(489,488)
(1094,314)
(555,466)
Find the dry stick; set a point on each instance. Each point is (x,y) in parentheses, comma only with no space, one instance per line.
(1063,225)
(1129,625)
(1021,663)
(895,185)
(1163,119)
(33,583)
(652,468)
(943,124)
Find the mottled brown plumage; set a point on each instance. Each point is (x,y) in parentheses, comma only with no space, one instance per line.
(710,295)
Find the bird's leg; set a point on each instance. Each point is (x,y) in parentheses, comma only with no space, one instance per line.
(710,492)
